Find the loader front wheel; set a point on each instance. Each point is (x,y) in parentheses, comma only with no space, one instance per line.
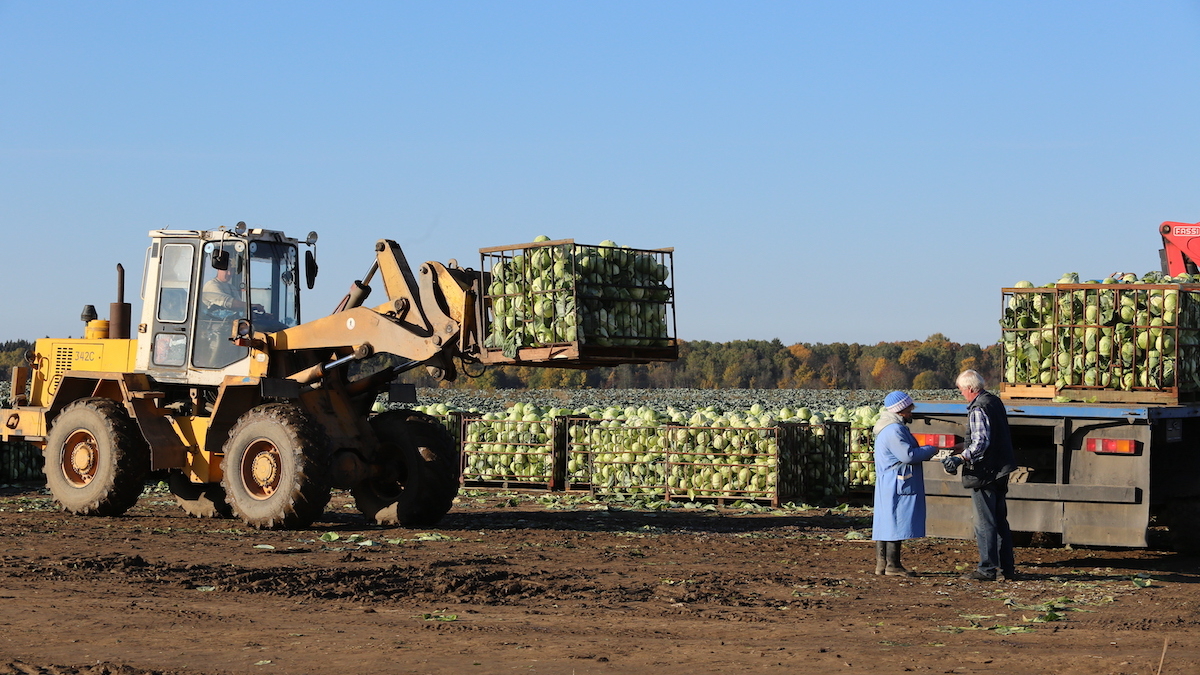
(202,500)
(96,459)
(420,473)
(275,468)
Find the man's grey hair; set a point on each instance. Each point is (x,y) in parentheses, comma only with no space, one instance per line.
(970,380)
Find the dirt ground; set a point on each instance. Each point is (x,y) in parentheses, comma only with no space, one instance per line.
(513,584)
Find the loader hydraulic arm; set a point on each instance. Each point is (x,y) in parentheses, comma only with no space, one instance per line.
(1181,247)
(428,317)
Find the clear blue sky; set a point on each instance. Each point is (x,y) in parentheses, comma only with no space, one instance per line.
(826,171)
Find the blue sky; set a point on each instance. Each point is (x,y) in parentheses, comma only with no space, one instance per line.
(826,171)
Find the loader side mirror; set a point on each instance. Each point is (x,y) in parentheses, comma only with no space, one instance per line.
(310,268)
(220,259)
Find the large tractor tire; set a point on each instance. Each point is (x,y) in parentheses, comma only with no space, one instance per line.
(276,468)
(420,476)
(202,500)
(96,459)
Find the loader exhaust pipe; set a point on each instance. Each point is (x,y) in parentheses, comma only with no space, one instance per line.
(119,312)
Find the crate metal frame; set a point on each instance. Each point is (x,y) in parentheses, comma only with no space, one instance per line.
(583,351)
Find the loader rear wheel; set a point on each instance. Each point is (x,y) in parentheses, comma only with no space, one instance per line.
(420,472)
(202,500)
(96,459)
(276,473)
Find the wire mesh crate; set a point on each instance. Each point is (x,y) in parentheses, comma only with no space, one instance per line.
(1129,342)
(20,462)
(770,465)
(1027,332)
(506,453)
(860,474)
(1120,343)
(577,305)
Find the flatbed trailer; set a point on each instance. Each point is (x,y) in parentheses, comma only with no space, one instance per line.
(1095,473)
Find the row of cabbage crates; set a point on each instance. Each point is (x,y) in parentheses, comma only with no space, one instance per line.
(770,465)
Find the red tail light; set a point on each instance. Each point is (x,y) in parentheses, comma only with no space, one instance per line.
(1113,446)
(937,440)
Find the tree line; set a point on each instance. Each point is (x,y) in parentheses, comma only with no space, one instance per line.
(761,364)
(740,364)
(12,353)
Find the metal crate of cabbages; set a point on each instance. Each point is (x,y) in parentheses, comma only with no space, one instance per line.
(20,462)
(1128,342)
(559,303)
(1027,323)
(1114,343)
(860,476)
(771,465)
(609,458)
(822,460)
(498,452)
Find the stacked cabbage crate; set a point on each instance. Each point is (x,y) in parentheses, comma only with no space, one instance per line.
(1123,339)
(818,463)
(558,292)
(772,464)
(512,450)
(860,474)
(20,462)
(609,457)
(1028,335)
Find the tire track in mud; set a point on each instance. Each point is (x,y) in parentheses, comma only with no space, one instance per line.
(483,580)
(22,668)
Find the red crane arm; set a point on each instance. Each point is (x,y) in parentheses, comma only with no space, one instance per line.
(1181,247)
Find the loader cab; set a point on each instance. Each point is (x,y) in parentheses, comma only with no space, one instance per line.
(197,284)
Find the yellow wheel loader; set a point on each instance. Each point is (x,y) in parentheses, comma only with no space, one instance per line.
(249,410)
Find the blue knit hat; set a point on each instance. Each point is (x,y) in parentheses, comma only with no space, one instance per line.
(897,401)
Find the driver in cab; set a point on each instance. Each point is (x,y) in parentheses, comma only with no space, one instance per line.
(222,296)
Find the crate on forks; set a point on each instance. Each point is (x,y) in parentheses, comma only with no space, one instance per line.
(559,303)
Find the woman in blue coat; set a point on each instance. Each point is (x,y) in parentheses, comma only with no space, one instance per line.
(899,484)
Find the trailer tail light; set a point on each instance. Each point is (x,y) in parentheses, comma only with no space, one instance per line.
(1113,446)
(937,440)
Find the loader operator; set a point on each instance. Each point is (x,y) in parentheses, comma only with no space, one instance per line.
(222,296)
(221,301)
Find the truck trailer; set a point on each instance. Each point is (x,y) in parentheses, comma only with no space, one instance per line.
(1102,393)
(1094,473)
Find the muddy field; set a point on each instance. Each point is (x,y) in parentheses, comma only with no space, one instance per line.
(513,584)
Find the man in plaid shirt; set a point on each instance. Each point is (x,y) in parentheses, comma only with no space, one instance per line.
(990,453)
